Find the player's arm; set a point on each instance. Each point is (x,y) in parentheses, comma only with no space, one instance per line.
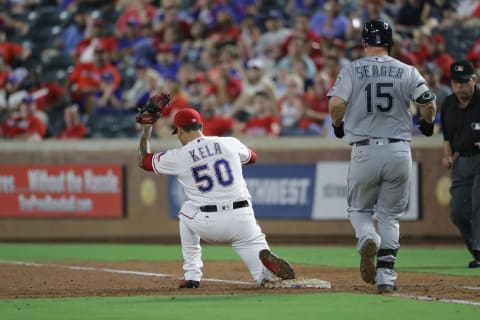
(425,100)
(147,115)
(144,154)
(337,108)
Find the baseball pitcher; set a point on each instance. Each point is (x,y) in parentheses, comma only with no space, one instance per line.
(219,207)
(369,105)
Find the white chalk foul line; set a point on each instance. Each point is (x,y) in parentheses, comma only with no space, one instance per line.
(425,298)
(164,275)
(110,270)
(469,287)
(84,268)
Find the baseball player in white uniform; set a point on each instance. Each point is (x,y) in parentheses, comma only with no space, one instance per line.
(219,208)
(369,105)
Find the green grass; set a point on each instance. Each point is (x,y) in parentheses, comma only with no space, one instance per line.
(294,306)
(442,261)
(93,251)
(273,306)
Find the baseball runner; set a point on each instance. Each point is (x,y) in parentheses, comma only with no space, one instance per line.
(219,207)
(369,105)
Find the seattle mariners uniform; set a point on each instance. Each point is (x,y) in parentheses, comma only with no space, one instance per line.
(219,208)
(369,105)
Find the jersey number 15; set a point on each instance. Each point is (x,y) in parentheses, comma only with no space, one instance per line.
(380,96)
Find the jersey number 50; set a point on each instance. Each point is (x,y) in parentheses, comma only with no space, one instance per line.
(382,97)
(203,175)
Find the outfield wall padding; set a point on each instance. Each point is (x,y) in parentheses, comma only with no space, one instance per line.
(147,216)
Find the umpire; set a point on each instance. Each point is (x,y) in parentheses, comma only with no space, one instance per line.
(460,116)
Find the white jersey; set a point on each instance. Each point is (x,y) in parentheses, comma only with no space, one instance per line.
(378,91)
(208,168)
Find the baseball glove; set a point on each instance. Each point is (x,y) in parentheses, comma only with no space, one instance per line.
(151,111)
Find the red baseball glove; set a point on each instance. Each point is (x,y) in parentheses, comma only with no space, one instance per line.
(150,112)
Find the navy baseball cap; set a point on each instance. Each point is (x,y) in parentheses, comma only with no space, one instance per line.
(27,99)
(132,21)
(107,76)
(274,14)
(13,78)
(141,64)
(462,71)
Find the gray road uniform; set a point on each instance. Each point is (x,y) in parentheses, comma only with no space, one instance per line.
(378,126)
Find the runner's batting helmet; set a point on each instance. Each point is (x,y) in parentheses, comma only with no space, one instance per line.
(377,33)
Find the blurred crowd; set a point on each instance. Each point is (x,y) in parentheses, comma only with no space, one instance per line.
(79,68)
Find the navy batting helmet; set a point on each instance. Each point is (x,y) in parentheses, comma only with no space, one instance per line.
(377,33)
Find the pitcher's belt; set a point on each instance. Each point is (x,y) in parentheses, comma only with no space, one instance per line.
(214,208)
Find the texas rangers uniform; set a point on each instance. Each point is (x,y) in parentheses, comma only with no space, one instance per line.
(219,208)
(378,125)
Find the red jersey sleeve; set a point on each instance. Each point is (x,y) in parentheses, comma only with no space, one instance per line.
(147,162)
(253,157)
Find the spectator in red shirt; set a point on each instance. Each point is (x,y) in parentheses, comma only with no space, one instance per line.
(169,15)
(227,83)
(10,50)
(179,98)
(422,45)
(140,10)
(225,32)
(264,122)
(214,123)
(163,127)
(4,72)
(84,80)
(25,126)
(473,54)
(441,57)
(47,95)
(95,36)
(399,52)
(74,128)
(313,120)
(301,30)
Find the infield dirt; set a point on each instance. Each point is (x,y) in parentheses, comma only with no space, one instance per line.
(55,280)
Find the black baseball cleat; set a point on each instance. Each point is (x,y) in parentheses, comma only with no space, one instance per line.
(368,255)
(474,264)
(276,265)
(386,288)
(189,284)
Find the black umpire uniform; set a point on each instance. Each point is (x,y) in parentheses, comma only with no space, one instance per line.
(460,119)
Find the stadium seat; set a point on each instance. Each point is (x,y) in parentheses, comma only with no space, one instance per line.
(46,16)
(40,33)
(60,62)
(56,75)
(55,121)
(111,126)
